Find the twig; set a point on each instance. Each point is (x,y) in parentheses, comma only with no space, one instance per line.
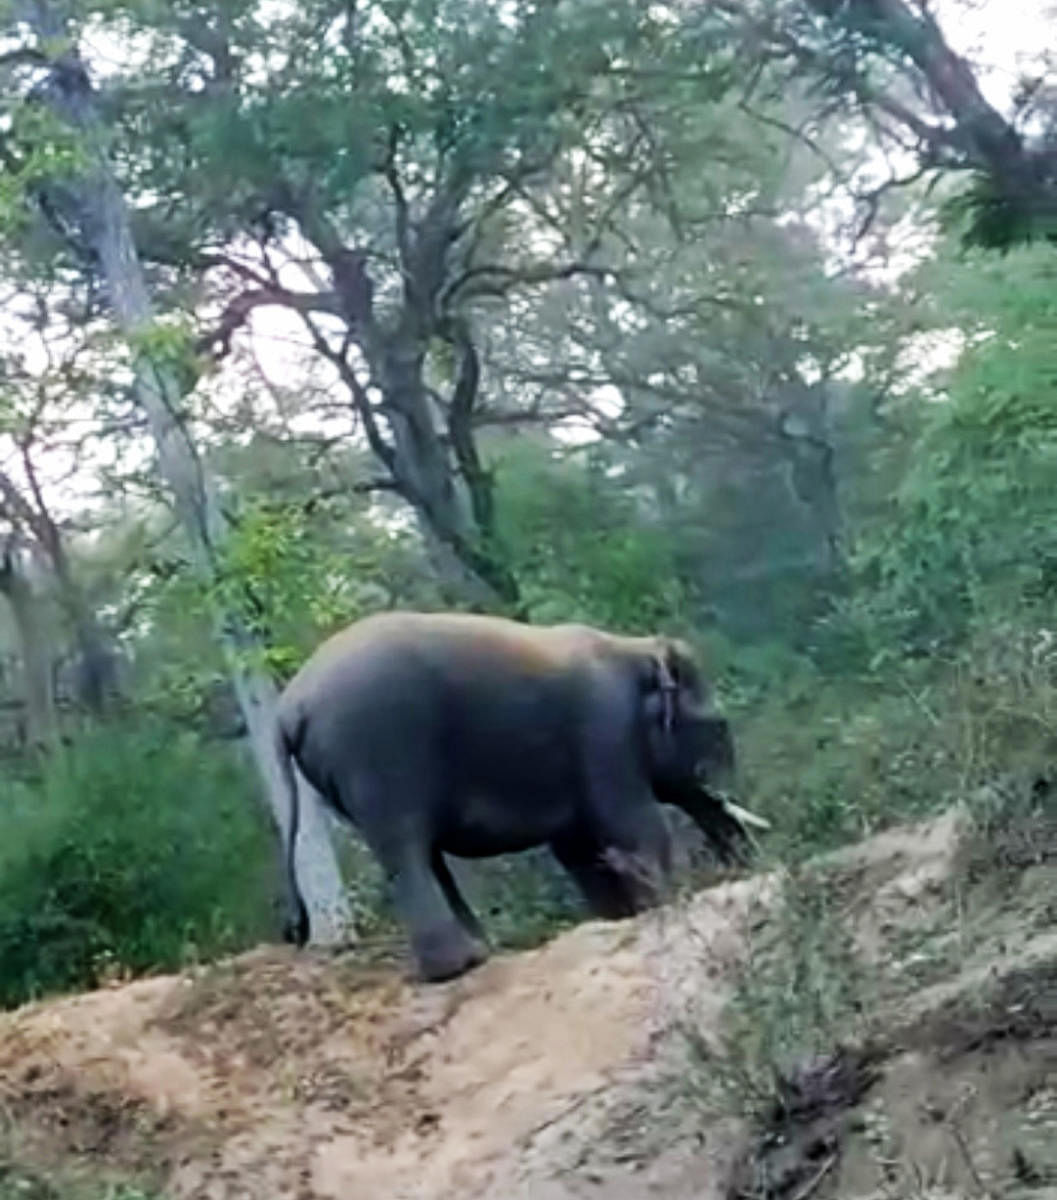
(566,1110)
(813,1183)
(962,1144)
(963,1148)
(917,701)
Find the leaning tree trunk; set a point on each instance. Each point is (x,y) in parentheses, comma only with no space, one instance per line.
(106,229)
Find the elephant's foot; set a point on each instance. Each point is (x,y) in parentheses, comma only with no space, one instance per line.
(445,952)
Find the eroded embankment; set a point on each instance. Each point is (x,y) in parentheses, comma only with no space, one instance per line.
(546,1074)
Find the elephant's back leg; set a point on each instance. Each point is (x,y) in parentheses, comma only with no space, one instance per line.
(396,811)
(455,898)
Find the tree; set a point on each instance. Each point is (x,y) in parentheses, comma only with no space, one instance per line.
(709,367)
(889,63)
(98,228)
(387,190)
(969,528)
(35,645)
(33,408)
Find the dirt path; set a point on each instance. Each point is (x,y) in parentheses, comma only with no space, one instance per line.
(537,1076)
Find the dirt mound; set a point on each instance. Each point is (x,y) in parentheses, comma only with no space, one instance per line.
(539,1075)
(296,1074)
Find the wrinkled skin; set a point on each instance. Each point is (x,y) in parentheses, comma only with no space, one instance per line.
(475,736)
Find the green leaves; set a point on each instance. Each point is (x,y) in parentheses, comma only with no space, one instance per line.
(39,149)
(974,521)
(168,344)
(287,583)
(581,551)
(139,849)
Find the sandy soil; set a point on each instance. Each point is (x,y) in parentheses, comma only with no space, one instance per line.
(541,1075)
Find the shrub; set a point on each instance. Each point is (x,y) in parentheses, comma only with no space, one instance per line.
(137,850)
(970,530)
(834,757)
(522,899)
(580,547)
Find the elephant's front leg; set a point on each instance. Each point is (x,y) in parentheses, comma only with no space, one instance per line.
(609,893)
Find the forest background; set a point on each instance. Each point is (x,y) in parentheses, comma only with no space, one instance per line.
(734,320)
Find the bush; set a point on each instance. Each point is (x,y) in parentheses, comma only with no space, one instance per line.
(830,758)
(522,899)
(137,850)
(581,549)
(972,527)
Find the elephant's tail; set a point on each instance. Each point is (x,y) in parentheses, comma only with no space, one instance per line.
(296,929)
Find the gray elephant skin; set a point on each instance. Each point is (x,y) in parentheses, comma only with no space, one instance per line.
(474,736)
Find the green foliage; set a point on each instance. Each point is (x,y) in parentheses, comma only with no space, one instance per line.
(444,92)
(168,344)
(40,148)
(840,762)
(139,849)
(973,524)
(22,1183)
(833,757)
(801,991)
(523,899)
(580,548)
(268,572)
(990,214)
(293,583)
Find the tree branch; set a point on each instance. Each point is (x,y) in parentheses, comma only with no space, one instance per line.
(23,56)
(985,135)
(403,236)
(460,427)
(361,401)
(494,279)
(237,313)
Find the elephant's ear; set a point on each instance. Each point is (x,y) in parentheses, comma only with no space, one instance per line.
(666,680)
(675,677)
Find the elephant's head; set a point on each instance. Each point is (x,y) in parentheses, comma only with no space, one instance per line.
(690,751)
(688,741)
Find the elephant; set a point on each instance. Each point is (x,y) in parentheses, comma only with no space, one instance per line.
(460,734)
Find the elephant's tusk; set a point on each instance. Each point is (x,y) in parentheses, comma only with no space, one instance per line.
(743,816)
(734,811)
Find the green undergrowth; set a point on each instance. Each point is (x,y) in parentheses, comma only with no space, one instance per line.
(801,990)
(830,758)
(826,994)
(19,1181)
(835,760)
(135,850)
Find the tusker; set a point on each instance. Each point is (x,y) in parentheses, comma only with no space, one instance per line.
(452,733)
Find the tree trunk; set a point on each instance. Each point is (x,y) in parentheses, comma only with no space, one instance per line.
(435,469)
(803,431)
(34,651)
(106,229)
(96,681)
